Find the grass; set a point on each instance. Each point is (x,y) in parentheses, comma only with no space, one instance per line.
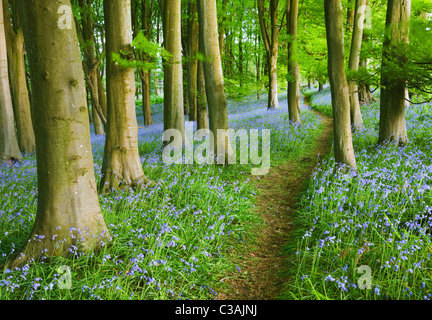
(368,235)
(174,240)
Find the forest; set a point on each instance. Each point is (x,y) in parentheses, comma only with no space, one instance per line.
(216,150)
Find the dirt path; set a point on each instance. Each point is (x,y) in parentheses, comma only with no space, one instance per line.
(262,266)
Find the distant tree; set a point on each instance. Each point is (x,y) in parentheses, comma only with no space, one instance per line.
(17,77)
(392,103)
(343,146)
(121,166)
(173,69)
(68,211)
(9,149)
(192,63)
(202,117)
(91,62)
(270,36)
(353,66)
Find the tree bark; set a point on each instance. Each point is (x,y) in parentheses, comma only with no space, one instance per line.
(9,149)
(121,167)
(293,72)
(18,81)
(68,211)
(173,74)
(192,62)
(343,146)
(202,117)
(392,106)
(214,81)
(271,43)
(353,65)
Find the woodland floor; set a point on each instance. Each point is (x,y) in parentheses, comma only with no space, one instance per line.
(263,263)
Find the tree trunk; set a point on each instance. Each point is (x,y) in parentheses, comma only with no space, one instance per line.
(18,82)
(392,106)
(91,64)
(343,147)
(173,74)
(68,211)
(364,92)
(145,81)
(192,62)
(353,65)
(202,118)
(121,167)
(293,72)
(214,81)
(271,43)
(320,86)
(9,150)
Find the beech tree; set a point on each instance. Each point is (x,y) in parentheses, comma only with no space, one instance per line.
(121,166)
(17,77)
(173,69)
(353,65)
(343,146)
(213,75)
(68,211)
(293,68)
(9,149)
(271,44)
(392,104)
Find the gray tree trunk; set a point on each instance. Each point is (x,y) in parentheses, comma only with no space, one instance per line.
(343,146)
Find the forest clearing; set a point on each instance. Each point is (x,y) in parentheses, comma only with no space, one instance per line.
(216,150)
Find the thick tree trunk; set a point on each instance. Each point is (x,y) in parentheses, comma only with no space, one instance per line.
(202,117)
(173,74)
(9,149)
(364,92)
(392,105)
(293,83)
(214,81)
(193,62)
(121,167)
(68,212)
(353,65)
(18,81)
(343,146)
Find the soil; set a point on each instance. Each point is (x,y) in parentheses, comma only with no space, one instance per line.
(261,275)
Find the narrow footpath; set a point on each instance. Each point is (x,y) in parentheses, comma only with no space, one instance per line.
(263,263)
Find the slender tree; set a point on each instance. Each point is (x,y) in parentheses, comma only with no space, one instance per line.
(343,146)
(293,68)
(353,65)
(214,81)
(392,102)
(121,166)
(68,211)
(192,61)
(173,69)
(18,81)
(271,44)
(202,117)
(9,149)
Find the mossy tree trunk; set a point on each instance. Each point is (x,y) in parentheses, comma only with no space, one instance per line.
(121,166)
(9,149)
(392,102)
(344,150)
(68,211)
